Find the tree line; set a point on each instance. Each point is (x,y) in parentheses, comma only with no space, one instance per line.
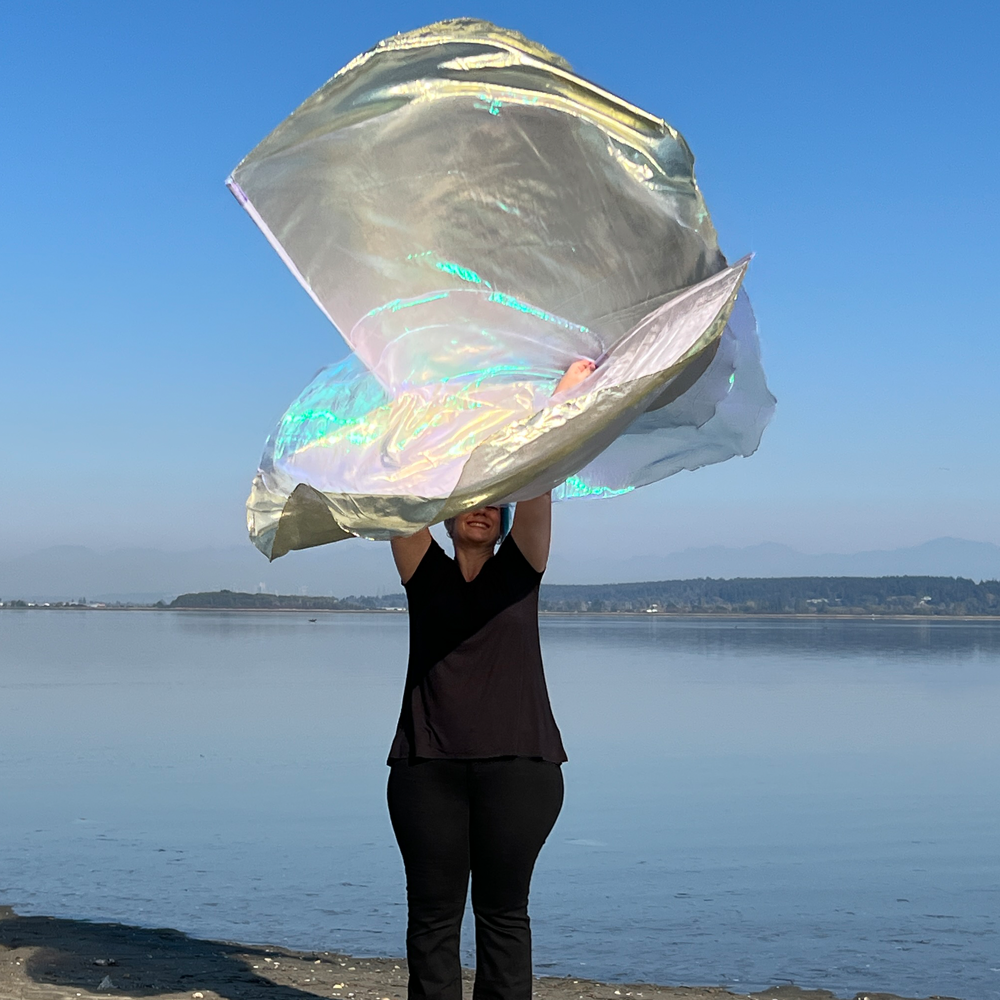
(886,595)
(819,595)
(234,600)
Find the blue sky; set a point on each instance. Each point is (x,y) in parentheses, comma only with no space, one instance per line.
(150,338)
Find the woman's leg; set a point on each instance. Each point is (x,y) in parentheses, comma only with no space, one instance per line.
(514,804)
(429,809)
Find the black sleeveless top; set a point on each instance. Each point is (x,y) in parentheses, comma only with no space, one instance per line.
(474,683)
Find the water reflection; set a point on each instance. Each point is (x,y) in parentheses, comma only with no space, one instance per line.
(788,637)
(747,800)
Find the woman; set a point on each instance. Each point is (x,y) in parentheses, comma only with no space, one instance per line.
(475,784)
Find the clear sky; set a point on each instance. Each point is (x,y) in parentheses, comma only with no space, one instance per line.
(150,337)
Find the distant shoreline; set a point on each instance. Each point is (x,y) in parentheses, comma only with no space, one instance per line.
(798,597)
(706,615)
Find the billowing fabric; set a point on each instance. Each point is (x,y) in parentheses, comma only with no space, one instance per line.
(473,217)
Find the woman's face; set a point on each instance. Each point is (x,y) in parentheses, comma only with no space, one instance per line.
(478,527)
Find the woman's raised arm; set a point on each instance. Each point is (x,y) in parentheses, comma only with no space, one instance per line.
(408,551)
(532,528)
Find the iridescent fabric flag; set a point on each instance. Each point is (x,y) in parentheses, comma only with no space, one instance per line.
(473,217)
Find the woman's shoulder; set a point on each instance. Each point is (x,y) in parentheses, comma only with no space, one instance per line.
(513,559)
(434,561)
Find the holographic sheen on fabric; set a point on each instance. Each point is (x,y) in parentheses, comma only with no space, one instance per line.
(473,217)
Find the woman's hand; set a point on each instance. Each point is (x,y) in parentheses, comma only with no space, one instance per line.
(575,374)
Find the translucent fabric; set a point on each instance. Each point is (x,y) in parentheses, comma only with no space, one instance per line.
(473,217)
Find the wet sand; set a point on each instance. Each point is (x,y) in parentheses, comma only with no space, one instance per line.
(48,958)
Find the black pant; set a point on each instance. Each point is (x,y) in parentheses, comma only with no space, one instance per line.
(487,817)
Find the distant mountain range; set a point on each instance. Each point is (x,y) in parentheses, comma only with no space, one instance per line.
(358,567)
(938,557)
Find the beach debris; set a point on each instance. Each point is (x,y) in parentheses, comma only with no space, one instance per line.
(198,995)
(105,961)
(107,984)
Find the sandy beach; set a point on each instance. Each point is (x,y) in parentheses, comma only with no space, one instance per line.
(48,958)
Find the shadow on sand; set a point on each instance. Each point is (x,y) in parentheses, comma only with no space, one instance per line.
(77,955)
(47,958)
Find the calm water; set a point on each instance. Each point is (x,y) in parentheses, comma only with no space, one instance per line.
(747,803)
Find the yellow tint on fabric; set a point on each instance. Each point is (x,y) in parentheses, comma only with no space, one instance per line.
(473,217)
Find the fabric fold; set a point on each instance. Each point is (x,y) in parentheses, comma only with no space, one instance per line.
(473,217)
